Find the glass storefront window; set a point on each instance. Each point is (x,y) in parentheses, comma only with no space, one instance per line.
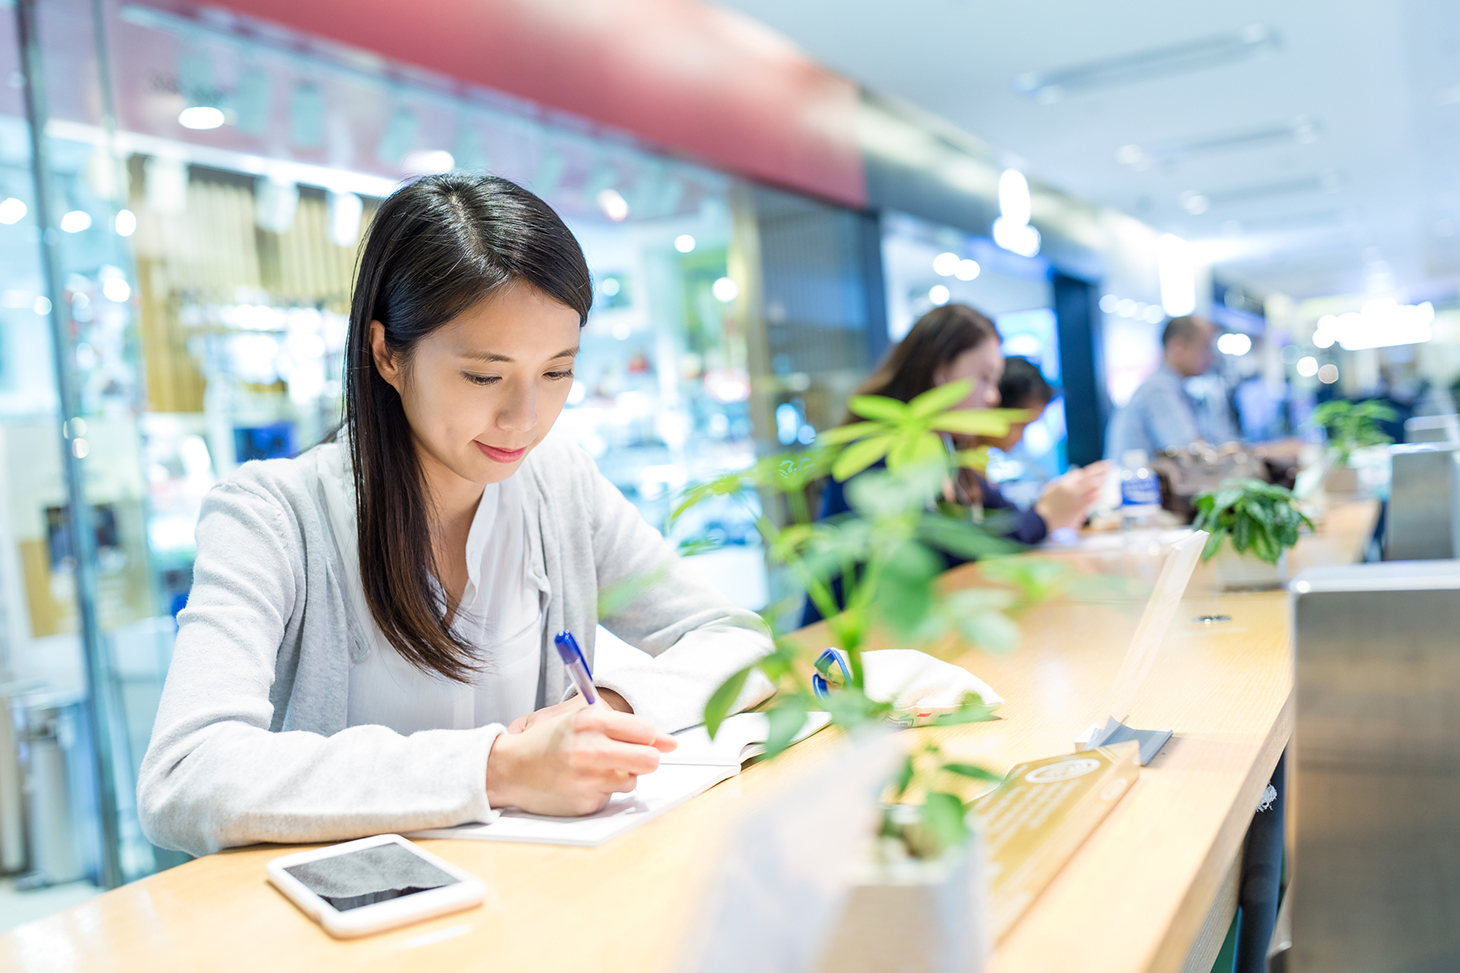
(212,178)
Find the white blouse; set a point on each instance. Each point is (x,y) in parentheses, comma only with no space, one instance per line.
(501,614)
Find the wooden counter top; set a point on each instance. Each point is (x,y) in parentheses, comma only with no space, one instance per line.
(1133,898)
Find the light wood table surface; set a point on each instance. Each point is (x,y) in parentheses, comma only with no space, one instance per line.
(1133,898)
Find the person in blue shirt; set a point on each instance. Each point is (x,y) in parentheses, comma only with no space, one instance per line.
(1162,413)
(952,343)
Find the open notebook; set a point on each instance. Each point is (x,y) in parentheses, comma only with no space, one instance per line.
(697,765)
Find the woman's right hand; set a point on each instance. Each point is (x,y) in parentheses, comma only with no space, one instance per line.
(573,762)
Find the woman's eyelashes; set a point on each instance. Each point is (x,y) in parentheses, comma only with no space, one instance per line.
(554,376)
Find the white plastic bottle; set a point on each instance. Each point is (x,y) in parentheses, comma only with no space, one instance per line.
(1140,491)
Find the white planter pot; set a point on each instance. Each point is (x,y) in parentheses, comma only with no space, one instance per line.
(915,917)
(1246,572)
(1341,481)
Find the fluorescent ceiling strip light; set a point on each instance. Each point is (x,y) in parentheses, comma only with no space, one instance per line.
(1328,182)
(1300,130)
(1155,62)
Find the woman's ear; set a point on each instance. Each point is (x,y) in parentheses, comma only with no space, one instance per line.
(385,362)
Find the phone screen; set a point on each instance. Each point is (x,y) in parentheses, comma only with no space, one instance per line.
(358,878)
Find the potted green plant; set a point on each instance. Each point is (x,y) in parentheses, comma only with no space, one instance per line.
(1352,428)
(1252,525)
(886,557)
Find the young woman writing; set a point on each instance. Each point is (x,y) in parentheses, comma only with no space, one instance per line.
(367,644)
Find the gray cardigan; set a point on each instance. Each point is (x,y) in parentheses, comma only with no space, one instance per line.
(250,742)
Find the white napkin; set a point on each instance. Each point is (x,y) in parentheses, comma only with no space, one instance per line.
(910,680)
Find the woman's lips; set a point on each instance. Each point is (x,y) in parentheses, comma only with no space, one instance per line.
(500,455)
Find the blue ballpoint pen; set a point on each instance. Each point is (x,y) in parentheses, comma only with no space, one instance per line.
(572,657)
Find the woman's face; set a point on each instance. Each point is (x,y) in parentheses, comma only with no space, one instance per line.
(983,366)
(482,390)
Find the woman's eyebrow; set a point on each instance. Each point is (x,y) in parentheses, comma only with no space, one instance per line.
(492,356)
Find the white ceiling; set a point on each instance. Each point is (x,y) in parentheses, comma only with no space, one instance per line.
(1372,203)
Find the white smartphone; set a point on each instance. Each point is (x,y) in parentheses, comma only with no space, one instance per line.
(373,884)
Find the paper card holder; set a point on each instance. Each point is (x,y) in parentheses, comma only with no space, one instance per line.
(1114,731)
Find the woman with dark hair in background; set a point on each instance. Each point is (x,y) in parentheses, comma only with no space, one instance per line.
(366,645)
(952,343)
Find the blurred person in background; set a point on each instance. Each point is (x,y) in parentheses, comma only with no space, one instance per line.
(1162,413)
(953,343)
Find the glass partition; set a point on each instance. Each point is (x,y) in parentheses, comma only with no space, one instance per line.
(210,180)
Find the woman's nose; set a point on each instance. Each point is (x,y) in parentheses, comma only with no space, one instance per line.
(519,414)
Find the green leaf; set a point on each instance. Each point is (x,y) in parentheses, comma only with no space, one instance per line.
(786,719)
(961,537)
(903,779)
(849,432)
(1214,542)
(972,459)
(939,397)
(878,407)
(1037,578)
(969,712)
(991,631)
(979,422)
(882,497)
(1242,534)
(972,771)
(943,817)
(860,455)
(905,591)
(915,449)
(720,701)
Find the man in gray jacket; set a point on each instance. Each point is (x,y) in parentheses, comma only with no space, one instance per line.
(1162,413)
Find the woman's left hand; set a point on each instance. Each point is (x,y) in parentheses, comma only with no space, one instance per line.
(610,697)
(1067,499)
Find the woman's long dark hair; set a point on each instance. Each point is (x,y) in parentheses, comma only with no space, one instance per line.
(435,248)
(937,338)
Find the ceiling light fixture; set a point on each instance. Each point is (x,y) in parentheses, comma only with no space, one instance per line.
(1047,87)
(1299,131)
(430,162)
(1327,182)
(725,290)
(1176,268)
(1194,202)
(1381,323)
(200,118)
(615,207)
(76,221)
(946,264)
(1234,343)
(1012,230)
